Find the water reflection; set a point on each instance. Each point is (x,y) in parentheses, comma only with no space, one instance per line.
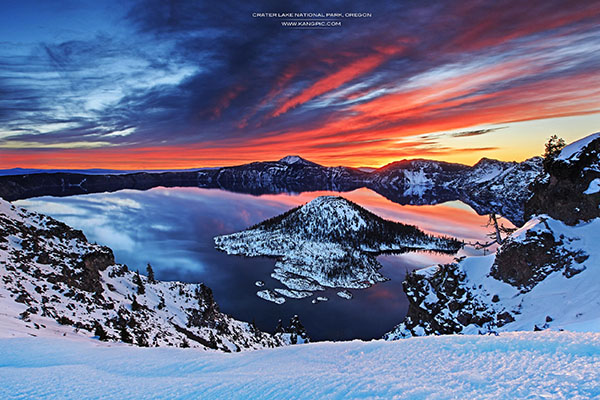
(173,229)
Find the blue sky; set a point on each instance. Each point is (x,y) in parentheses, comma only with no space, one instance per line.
(159,84)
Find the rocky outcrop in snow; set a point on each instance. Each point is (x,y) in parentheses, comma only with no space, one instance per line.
(328,242)
(568,189)
(55,283)
(545,274)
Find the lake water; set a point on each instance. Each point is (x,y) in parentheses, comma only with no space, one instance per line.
(173,230)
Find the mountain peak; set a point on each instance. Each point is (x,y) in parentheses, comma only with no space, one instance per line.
(335,212)
(295,160)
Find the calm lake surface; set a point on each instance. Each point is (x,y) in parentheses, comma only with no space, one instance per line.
(173,230)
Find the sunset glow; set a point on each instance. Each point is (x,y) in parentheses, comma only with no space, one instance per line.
(158,86)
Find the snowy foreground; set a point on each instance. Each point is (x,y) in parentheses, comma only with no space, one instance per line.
(513,365)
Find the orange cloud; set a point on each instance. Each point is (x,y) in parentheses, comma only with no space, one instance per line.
(335,80)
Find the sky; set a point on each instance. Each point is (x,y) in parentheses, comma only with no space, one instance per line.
(158,84)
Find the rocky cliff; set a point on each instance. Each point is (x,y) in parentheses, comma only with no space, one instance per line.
(543,276)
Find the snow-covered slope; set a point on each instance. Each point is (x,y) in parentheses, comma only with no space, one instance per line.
(55,283)
(296,160)
(573,151)
(499,187)
(328,242)
(525,365)
(544,276)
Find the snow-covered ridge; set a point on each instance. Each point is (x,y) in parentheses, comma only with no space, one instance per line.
(328,242)
(489,186)
(573,150)
(55,283)
(544,277)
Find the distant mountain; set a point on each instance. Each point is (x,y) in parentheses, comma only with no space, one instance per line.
(297,160)
(489,186)
(91,171)
(56,283)
(328,242)
(544,276)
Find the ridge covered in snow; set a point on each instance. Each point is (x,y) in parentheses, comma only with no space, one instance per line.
(573,150)
(543,277)
(55,283)
(328,242)
(296,160)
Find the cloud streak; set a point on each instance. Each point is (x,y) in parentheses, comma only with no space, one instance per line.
(201,83)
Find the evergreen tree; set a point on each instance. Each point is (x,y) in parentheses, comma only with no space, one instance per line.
(142,339)
(161,304)
(553,146)
(279,327)
(125,336)
(253,328)
(150,273)
(297,329)
(135,306)
(138,281)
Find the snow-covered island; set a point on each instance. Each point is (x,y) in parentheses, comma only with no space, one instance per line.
(329,242)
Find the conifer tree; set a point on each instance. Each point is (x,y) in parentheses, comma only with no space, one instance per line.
(279,327)
(150,273)
(138,281)
(125,336)
(135,306)
(553,146)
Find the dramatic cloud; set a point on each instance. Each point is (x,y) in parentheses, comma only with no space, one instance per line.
(165,84)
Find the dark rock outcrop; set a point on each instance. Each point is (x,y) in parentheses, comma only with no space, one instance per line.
(525,263)
(561,191)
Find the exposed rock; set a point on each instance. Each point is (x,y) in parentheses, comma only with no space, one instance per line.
(562,192)
(525,262)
